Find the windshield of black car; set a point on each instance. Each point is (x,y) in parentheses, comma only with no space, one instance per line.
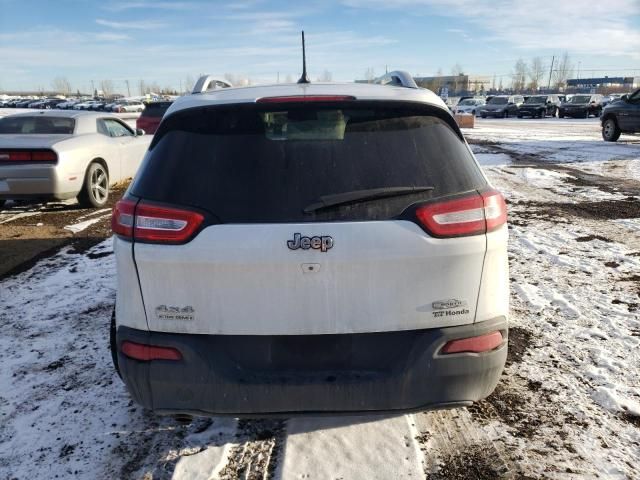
(536,100)
(580,99)
(37,125)
(498,101)
(253,163)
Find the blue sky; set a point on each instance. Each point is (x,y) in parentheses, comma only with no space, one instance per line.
(169,42)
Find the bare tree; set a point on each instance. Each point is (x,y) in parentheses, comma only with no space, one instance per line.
(189,83)
(563,71)
(142,87)
(519,76)
(325,77)
(369,74)
(61,85)
(536,72)
(107,87)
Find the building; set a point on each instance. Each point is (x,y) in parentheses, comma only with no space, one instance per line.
(599,83)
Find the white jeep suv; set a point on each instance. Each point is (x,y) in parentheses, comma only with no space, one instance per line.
(308,248)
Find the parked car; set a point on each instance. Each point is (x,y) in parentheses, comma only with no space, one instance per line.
(83,105)
(502,106)
(309,248)
(469,105)
(58,154)
(150,117)
(607,99)
(621,116)
(581,106)
(25,103)
(539,106)
(129,106)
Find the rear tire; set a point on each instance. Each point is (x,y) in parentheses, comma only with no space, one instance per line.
(610,130)
(95,189)
(113,344)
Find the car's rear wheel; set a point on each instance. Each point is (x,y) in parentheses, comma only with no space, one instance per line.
(95,190)
(113,345)
(610,130)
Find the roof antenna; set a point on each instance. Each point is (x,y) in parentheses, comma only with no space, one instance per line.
(303,78)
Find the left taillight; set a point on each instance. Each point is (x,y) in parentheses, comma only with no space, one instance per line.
(473,214)
(47,156)
(154,224)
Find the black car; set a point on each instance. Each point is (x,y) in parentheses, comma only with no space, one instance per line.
(621,116)
(502,106)
(539,106)
(581,106)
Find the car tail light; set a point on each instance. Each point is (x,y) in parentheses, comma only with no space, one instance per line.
(471,215)
(306,98)
(146,353)
(480,344)
(48,156)
(150,223)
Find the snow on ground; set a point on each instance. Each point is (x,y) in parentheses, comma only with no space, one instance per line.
(567,406)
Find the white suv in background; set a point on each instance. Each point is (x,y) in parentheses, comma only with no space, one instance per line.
(309,248)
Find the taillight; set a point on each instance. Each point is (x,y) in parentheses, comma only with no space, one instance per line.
(48,156)
(151,223)
(146,353)
(122,218)
(480,344)
(306,98)
(475,214)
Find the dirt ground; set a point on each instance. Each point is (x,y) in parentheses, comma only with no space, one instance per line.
(32,231)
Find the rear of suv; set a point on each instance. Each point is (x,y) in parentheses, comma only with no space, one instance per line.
(151,116)
(309,248)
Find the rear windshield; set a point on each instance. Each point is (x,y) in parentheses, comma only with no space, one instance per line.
(155,109)
(253,164)
(498,100)
(37,125)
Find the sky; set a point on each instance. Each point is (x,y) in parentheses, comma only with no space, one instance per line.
(172,42)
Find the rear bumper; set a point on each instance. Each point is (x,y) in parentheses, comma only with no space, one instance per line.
(32,181)
(246,375)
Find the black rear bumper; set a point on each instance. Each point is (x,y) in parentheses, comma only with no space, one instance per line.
(245,375)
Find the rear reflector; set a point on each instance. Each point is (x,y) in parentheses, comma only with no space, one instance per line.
(306,98)
(150,223)
(146,353)
(483,343)
(471,215)
(28,156)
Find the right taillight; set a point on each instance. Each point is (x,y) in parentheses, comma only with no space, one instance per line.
(474,214)
(154,224)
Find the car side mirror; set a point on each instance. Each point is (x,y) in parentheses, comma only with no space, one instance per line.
(140,132)
(625,97)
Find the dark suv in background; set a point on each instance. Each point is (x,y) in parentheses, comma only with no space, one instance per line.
(621,116)
(502,106)
(581,106)
(539,106)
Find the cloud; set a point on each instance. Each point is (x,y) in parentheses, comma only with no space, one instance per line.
(112,37)
(122,6)
(136,25)
(592,27)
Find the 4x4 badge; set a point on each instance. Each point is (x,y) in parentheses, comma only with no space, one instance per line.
(322,243)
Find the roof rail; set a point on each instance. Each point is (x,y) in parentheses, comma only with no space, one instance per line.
(207,82)
(397,78)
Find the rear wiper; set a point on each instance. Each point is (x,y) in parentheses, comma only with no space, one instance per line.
(326,201)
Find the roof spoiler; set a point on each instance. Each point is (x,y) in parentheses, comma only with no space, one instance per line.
(207,82)
(397,78)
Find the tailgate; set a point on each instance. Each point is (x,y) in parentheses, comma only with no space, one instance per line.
(244,279)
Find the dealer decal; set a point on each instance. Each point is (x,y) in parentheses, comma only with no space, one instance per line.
(450,308)
(164,312)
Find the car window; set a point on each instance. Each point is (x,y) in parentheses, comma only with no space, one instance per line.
(266,164)
(635,97)
(116,129)
(37,125)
